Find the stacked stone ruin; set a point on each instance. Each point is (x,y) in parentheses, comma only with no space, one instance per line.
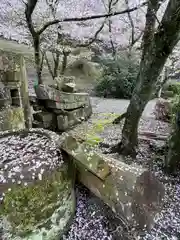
(61,110)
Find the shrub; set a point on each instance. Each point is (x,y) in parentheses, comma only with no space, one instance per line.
(175,107)
(166,109)
(163,110)
(118,77)
(173,87)
(168,94)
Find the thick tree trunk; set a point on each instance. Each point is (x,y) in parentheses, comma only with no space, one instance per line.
(148,75)
(156,49)
(141,96)
(30,6)
(172,161)
(64,62)
(56,65)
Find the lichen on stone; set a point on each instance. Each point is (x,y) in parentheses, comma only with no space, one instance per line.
(37,198)
(30,206)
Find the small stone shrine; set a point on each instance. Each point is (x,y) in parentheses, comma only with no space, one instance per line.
(14,102)
(62,107)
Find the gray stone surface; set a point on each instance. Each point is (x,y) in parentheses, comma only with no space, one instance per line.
(38,199)
(65,106)
(62,122)
(133,192)
(48,119)
(69,87)
(68,119)
(45,92)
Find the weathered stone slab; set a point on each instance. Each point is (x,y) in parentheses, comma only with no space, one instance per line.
(48,119)
(132,192)
(69,87)
(13,85)
(45,92)
(12,119)
(13,76)
(67,119)
(59,105)
(9,61)
(91,160)
(62,122)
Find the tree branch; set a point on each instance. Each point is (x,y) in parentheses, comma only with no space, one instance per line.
(132,24)
(46,25)
(94,38)
(99,30)
(30,6)
(42,61)
(110,6)
(49,66)
(149,31)
(64,63)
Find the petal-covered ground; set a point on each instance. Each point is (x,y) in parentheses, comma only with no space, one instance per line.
(167,226)
(93,219)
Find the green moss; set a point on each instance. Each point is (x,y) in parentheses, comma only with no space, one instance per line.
(11,119)
(92,136)
(16,116)
(29,207)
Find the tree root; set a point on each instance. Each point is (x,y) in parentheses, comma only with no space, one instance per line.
(119,118)
(123,150)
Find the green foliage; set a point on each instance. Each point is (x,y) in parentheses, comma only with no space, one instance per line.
(118,77)
(92,137)
(82,68)
(174,107)
(173,87)
(168,94)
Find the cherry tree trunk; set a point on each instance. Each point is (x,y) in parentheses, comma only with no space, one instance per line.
(141,95)
(157,46)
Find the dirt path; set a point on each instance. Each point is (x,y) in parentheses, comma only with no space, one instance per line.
(118,106)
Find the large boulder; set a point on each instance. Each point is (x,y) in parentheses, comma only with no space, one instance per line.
(37,197)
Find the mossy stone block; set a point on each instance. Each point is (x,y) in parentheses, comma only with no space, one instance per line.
(12,119)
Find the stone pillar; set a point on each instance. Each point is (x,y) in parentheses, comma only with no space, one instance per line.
(25,94)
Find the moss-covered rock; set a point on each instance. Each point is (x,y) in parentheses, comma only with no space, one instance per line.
(37,193)
(12,119)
